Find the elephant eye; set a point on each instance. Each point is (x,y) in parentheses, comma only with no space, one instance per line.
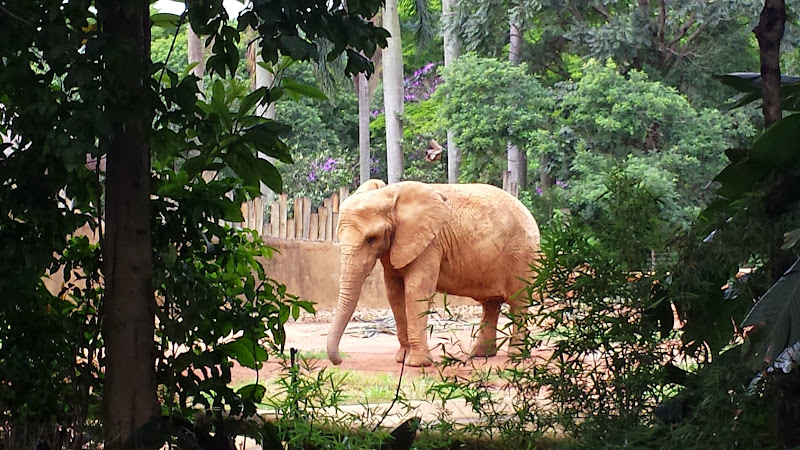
(371,240)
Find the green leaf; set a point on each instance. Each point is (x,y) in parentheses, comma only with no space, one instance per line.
(170,256)
(231,211)
(268,174)
(777,315)
(304,90)
(165,20)
(779,146)
(248,102)
(253,392)
(245,352)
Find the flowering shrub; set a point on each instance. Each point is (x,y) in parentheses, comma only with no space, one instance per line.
(319,176)
(422,84)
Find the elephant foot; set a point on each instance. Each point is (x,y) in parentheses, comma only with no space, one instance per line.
(415,358)
(401,354)
(483,349)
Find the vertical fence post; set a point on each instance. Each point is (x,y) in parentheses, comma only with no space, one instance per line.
(328,205)
(274,219)
(265,230)
(298,217)
(323,220)
(335,218)
(258,213)
(282,201)
(313,229)
(306,218)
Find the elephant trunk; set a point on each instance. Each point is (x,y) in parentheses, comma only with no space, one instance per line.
(350,283)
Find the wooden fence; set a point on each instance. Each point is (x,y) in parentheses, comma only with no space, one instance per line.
(308,222)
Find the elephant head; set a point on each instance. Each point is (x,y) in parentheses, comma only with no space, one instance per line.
(394,223)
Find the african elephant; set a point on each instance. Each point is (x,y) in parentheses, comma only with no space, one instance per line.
(473,240)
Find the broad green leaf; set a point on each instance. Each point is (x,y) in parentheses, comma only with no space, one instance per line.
(165,20)
(253,392)
(250,101)
(301,89)
(231,211)
(776,316)
(269,174)
(779,146)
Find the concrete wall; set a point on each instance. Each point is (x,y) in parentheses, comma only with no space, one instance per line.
(310,270)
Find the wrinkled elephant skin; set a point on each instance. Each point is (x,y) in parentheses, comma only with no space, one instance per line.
(472,240)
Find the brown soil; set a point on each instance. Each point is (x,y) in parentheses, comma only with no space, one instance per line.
(370,347)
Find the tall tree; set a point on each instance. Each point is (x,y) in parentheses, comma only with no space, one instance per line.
(516,161)
(364,157)
(196,51)
(769,33)
(678,42)
(393,92)
(452,49)
(129,307)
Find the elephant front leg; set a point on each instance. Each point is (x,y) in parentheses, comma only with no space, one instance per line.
(486,343)
(395,291)
(417,307)
(420,284)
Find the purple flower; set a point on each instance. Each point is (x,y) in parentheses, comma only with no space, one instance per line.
(312,176)
(538,190)
(329,165)
(562,184)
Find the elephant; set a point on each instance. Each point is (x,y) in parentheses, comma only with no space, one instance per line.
(472,240)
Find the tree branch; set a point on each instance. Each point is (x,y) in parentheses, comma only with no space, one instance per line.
(5,10)
(603,11)
(769,33)
(662,21)
(683,30)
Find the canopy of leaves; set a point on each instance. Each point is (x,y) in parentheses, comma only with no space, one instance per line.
(56,116)
(489,103)
(650,130)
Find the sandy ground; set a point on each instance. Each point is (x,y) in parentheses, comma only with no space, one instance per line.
(370,347)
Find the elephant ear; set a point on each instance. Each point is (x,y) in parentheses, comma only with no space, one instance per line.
(370,185)
(421,213)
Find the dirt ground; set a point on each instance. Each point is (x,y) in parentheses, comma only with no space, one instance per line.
(369,346)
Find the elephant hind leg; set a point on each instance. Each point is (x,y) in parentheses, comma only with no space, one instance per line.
(486,342)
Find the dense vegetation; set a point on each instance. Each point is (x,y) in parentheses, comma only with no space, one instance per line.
(117,169)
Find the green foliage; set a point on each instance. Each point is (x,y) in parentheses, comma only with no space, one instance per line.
(599,331)
(323,140)
(215,303)
(676,44)
(489,103)
(606,119)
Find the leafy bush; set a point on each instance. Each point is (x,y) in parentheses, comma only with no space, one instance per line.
(606,119)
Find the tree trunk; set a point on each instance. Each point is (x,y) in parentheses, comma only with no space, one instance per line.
(515,165)
(769,33)
(452,49)
(129,305)
(393,93)
(364,157)
(196,55)
(261,77)
(545,180)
